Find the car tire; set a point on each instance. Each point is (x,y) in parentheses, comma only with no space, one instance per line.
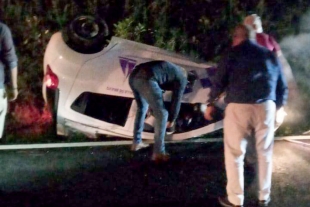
(86,34)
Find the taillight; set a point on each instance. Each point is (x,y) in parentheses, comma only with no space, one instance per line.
(50,79)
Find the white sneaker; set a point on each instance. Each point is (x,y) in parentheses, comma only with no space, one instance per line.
(136,147)
(170,130)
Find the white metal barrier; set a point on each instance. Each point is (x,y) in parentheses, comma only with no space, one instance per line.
(293,139)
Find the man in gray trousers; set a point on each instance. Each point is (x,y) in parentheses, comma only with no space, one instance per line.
(255,89)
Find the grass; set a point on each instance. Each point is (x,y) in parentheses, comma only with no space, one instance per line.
(37,135)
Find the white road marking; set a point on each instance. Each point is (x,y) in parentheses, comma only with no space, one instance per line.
(117,143)
(298,142)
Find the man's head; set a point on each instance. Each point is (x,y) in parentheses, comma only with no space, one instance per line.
(241,33)
(254,21)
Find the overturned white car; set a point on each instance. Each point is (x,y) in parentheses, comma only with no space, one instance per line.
(86,84)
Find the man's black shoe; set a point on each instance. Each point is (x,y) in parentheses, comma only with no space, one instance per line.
(226,203)
(263,203)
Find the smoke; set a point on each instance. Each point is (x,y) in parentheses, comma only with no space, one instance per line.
(297,51)
(305,23)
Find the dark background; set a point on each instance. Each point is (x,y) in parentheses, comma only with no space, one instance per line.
(199,28)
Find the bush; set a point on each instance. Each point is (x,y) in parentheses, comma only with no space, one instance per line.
(198,28)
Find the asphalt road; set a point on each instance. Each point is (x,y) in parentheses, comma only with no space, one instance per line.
(114,176)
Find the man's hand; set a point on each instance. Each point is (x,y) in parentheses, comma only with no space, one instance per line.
(209,112)
(13,94)
(169,124)
(280,115)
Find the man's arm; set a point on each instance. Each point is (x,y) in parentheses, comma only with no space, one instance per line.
(281,87)
(10,59)
(219,83)
(281,99)
(286,68)
(14,86)
(281,91)
(177,94)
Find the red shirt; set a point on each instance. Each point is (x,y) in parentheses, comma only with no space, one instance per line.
(267,41)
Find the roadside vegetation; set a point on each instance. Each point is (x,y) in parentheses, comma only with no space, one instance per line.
(200,29)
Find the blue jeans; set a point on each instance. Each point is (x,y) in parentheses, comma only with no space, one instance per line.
(148,94)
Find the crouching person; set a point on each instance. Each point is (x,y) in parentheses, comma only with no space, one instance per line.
(147,81)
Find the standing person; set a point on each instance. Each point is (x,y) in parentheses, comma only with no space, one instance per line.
(255,88)
(262,38)
(147,81)
(8,61)
(270,43)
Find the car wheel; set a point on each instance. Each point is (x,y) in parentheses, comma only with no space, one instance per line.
(86,34)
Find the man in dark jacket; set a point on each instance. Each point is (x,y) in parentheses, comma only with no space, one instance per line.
(255,88)
(147,81)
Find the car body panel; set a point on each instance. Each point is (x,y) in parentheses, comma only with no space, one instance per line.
(105,75)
